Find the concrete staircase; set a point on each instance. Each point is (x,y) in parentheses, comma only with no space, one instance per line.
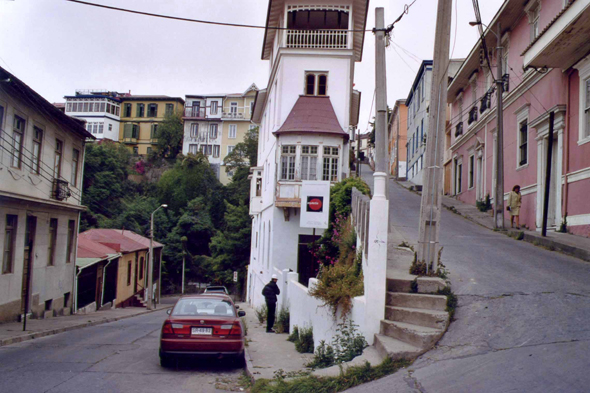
(413,322)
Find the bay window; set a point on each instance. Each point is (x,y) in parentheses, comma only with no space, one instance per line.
(309,160)
(330,170)
(288,155)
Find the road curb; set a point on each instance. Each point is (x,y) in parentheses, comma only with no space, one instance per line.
(51,332)
(249,365)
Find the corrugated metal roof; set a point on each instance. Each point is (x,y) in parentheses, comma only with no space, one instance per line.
(128,241)
(312,114)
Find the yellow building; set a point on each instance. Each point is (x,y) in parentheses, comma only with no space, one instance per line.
(140,117)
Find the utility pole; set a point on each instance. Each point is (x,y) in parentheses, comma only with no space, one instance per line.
(499,191)
(548,174)
(430,209)
(380,92)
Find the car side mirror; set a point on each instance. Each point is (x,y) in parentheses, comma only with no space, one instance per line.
(169,311)
(241,313)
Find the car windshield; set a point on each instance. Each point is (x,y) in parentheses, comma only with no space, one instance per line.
(217,289)
(204,307)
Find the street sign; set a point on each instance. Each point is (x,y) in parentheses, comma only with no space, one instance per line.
(235,276)
(315,200)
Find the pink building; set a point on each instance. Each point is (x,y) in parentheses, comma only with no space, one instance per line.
(546,65)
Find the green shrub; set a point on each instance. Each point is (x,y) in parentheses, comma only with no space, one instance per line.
(323,356)
(294,336)
(304,343)
(261,313)
(452,300)
(484,205)
(282,322)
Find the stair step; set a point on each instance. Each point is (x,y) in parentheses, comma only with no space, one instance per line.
(396,349)
(419,336)
(418,316)
(417,300)
(399,285)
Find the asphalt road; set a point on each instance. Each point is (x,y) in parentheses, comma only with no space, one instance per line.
(523,321)
(116,357)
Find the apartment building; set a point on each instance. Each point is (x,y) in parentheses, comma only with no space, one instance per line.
(397,136)
(100,109)
(214,124)
(41,164)
(546,79)
(140,117)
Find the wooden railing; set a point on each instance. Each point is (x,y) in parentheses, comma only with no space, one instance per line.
(317,39)
(360,217)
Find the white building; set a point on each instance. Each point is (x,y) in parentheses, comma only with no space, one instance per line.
(214,124)
(304,116)
(100,109)
(41,164)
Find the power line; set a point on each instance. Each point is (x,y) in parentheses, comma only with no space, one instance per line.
(411,69)
(208,22)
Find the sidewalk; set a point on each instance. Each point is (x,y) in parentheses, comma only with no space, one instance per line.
(267,353)
(12,332)
(573,245)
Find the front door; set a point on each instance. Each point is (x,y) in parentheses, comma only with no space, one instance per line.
(554,183)
(28,263)
(306,264)
(135,281)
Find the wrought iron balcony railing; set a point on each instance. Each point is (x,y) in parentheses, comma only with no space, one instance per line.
(459,129)
(60,190)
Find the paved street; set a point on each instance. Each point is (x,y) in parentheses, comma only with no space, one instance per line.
(523,316)
(120,356)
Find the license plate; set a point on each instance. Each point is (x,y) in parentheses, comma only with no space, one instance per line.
(199,331)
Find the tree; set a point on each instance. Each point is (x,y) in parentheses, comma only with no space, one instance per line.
(106,167)
(244,154)
(170,135)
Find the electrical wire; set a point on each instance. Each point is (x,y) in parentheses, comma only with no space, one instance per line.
(189,19)
(483,41)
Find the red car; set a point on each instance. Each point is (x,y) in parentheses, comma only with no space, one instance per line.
(202,325)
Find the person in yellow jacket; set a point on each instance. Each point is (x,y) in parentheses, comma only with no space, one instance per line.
(514,202)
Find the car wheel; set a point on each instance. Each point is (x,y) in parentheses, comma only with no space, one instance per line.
(166,361)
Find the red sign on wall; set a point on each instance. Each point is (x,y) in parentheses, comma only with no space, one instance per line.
(315,204)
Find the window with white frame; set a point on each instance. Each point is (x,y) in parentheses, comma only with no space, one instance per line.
(37,142)
(288,156)
(230,149)
(330,170)
(583,68)
(17,141)
(522,136)
(74,170)
(533,9)
(216,149)
(233,107)
(213,131)
(194,130)
(471,179)
(251,106)
(214,107)
(233,131)
(316,83)
(309,162)
(193,148)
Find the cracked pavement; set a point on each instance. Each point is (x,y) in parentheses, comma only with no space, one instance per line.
(523,320)
(120,356)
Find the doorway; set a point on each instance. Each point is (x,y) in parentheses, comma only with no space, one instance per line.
(306,266)
(554,183)
(28,260)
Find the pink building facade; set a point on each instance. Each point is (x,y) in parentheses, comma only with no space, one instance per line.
(546,69)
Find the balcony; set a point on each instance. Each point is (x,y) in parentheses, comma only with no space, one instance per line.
(506,82)
(472,116)
(317,39)
(288,194)
(60,190)
(486,101)
(238,115)
(195,112)
(459,129)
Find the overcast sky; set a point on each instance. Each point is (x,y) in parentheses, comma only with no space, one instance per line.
(57,47)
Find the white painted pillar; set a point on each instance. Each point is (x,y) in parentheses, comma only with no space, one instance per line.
(540,183)
(376,272)
(558,179)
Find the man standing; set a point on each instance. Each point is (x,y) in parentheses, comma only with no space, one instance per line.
(270,292)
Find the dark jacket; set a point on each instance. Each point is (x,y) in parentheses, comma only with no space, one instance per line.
(270,292)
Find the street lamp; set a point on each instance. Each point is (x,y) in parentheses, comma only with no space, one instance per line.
(150,304)
(499,189)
